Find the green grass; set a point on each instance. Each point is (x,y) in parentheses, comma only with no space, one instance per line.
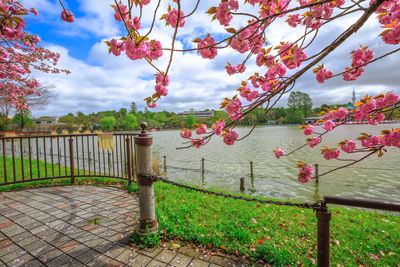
(281,235)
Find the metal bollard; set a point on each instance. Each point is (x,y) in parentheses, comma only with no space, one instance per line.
(148,221)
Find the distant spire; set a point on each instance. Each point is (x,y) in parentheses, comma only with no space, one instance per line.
(354,97)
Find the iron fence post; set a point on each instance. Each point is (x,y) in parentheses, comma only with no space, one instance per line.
(71,160)
(148,221)
(323,219)
(128,159)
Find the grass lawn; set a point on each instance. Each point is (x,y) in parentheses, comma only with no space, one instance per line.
(278,235)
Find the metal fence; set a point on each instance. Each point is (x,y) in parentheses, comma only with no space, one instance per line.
(31,158)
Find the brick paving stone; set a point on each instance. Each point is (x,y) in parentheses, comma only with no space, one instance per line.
(20,260)
(223,261)
(68,246)
(166,256)
(156,263)
(61,260)
(5,243)
(151,252)
(35,245)
(14,204)
(126,256)
(100,261)
(63,206)
(190,252)
(180,260)
(13,230)
(89,227)
(88,256)
(34,263)
(8,249)
(26,241)
(115,251)
(77,251)
(140,260)
(198,263)
(61,239)
(93,242)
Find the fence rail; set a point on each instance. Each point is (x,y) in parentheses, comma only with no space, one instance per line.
(40,157)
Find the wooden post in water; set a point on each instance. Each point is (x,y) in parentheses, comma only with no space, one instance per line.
(251,174)
(242,185)
(316,173)
(202,169)
(165,163)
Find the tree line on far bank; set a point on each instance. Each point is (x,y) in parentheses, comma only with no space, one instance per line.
(299,107)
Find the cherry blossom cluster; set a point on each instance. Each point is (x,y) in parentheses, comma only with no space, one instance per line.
(368,105)
(206,47)
(239,68)
(389,16)
(305,172)
(19,54)
(360,57)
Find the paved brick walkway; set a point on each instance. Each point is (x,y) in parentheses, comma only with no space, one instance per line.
(51,227)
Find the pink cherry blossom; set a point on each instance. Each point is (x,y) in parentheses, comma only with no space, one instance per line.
(134,23)
(120,9)
(323,74)
(67,16)
(248,94)
(309,130)
(294,20)
(155,50)
(239,68)
(218,127)
(349,146)
(391,99)
(371,140)
(116,47)
(305,173)
(314,141)
(198,142)
(151,104)
(230,138)
(172,18)
(161,89)
(328,125)
(279,153)
(186,133)
(206,48)
(223,12)
(160,79)
(340,113)
(331,154)
(201,130)
(234,106)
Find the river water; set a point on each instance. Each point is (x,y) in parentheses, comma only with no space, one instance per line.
(377,178)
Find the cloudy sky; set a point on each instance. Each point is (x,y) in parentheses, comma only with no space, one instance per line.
(99,81)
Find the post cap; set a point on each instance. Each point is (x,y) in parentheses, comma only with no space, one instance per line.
(143,138)
(143,125)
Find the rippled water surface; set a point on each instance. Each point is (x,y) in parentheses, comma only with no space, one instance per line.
(377,178)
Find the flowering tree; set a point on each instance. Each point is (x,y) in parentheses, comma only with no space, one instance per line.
(280,65)
(20,54)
